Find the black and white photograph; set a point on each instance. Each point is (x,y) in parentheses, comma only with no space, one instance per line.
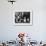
(23,18)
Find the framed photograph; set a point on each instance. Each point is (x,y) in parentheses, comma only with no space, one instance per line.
(23,18)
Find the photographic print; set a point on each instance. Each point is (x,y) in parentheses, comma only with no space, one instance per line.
(23,18)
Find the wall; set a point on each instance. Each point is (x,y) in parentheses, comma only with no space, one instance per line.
(9,31)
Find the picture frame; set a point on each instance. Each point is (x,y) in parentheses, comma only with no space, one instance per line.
(21,22)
